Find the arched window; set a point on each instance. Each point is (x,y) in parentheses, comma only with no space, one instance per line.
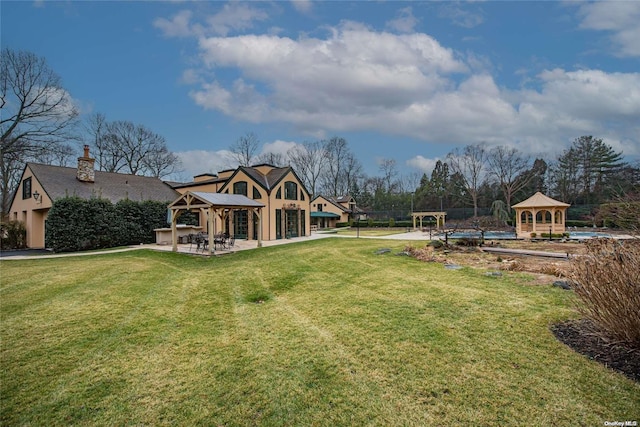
(290,190)
(256,193)
(558,219)
(526,217)
(240,187)
(543,217)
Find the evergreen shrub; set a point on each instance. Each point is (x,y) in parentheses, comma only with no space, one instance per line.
(13,235)
(76,224)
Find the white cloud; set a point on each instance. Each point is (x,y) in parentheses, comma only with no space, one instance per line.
(621,18)
(423,164)
(278,147)
(461,17)
(358,79)
(196,162)
(302,6)
(235,16)
(405,22)
(178,26)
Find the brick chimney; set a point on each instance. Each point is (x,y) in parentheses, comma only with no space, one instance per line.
(86,170)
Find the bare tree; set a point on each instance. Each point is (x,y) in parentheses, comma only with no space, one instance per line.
(469,163)
(309,161)
(274,159)
(352,172)
(245,148)
(38,116)
(337,153)
(96,129)
(161,162)
(508,166)
(125,147)
(389,174)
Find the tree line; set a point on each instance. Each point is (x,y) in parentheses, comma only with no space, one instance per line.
(474,176)
(39,123)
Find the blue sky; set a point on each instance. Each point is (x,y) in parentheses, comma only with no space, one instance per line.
(402,80)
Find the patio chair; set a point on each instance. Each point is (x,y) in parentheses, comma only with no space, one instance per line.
(231,241)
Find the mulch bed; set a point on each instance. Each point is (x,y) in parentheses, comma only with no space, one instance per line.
(581,336)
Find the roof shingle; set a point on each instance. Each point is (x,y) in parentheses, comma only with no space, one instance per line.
(59,181)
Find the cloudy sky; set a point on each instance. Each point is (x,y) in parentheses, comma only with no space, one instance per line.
(402,80)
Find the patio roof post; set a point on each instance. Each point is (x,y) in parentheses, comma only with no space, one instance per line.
(210,230)
(174,231)
(259,212)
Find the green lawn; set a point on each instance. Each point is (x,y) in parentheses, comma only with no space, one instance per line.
(319,333)
(370,232)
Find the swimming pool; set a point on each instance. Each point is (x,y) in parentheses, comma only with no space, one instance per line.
(497,235)
(487,235)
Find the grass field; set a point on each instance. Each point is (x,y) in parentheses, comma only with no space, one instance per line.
(370,232)
(319,333)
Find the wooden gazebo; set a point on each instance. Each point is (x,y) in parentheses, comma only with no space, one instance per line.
(540,214)
(439,216)
(217,207)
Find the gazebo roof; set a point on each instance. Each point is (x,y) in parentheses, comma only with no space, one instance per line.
(539,200)
(200,199)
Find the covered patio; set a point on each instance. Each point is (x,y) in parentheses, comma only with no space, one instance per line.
(216,207)
(324,219)
(540,214)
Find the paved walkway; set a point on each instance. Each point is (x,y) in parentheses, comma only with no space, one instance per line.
(240,245)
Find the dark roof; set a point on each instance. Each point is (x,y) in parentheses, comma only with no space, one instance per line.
(58,181)
(337,200)
(194,183)
(268,181)
(323,215)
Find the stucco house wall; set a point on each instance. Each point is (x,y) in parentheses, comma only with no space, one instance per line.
(286,212)
(54,182)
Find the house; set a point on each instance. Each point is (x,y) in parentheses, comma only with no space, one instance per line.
(540,214)
(40,185)
(327,212)
(275,203)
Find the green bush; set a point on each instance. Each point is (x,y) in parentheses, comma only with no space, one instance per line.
(77,224)
(392,222)
(13,235)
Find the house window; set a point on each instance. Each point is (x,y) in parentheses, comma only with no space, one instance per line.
(279,193)
(240,188)
(290,190)
(301,195)
(256,193)
(26,188)
(319,207)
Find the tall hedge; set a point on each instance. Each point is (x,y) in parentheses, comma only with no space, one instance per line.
(75,224)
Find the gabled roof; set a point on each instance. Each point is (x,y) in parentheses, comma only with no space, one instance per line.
(59,181)
(337,200)
(268,181)
(539,200)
